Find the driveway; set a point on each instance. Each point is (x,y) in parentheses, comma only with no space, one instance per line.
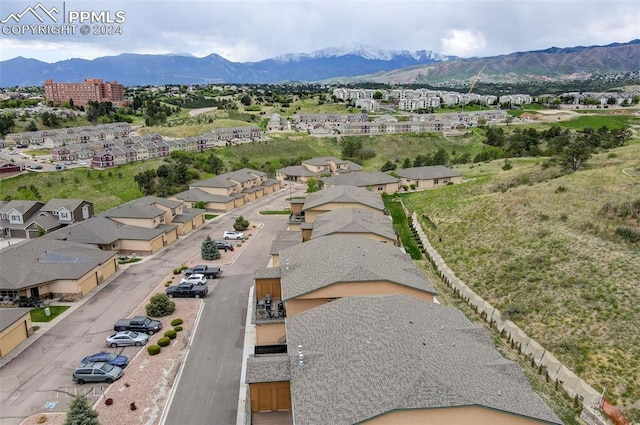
(39,379)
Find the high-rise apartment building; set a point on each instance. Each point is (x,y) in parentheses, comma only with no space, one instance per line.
(81,93)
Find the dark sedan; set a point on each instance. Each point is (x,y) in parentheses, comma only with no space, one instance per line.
(110,358)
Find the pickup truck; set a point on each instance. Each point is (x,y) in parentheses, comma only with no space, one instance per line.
(208,272)
(188,290)
(138,324)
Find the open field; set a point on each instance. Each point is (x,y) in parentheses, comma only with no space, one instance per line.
(538,249)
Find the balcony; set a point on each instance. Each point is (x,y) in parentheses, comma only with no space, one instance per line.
(270,309)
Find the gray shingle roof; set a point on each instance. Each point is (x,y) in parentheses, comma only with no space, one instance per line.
(8,316)
(102,230)
(366,356)
(270,368)
(45,259)
(325,261)
(56,204)
(427,173)
(297,171)
(362,179)
(343,194)
(20,206)
(197,195)
(133,210)
(187,214)
(267,273)
(353,220)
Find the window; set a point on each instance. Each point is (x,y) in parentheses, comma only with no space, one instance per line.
(15,218)
(380,187)
(436,181)
(64,215)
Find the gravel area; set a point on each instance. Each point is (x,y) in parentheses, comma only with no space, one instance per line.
(147,380)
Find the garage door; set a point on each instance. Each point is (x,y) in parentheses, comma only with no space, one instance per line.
(270,396)
(89,283)
(12,338)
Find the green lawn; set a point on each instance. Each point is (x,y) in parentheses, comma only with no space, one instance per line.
(37,315)
(401,226)
(612,122)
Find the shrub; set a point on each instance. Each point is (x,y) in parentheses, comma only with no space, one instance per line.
(240,224)
(153,349)
(628,234)
(42,419)
(177,271)
(177,328)
(176,322)
(167,284)
(171,334)
(160,305)
(164,341)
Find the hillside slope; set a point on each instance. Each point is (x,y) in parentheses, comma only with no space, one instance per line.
(540,250)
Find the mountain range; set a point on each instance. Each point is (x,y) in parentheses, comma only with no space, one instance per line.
(336,64)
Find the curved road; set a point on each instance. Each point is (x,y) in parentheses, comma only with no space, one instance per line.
(208,390)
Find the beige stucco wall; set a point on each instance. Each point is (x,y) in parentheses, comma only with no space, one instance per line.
(14,334)
(386,188)
(141,246)
(271,333)
(140,222)
(452,416)
(350,289)
(312,214)
(216,190)
(220,206)
(371,236)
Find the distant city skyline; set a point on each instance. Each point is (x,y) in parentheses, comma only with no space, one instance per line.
(253,30)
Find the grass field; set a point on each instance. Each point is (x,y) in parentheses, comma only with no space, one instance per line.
(537,248)
(37,315)
(106,188)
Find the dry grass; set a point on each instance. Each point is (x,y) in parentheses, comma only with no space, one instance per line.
(540,252)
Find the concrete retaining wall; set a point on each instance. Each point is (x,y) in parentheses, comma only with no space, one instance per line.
(569,382)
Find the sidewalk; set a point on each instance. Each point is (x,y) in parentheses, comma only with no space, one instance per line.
(45,326)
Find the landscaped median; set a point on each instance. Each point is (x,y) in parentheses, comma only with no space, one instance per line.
(139,397)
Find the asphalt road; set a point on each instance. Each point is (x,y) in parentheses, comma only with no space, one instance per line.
(42,373)
(208,389)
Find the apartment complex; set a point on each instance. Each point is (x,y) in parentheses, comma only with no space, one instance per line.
(91,89)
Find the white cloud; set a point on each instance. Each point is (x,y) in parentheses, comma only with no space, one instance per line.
(463,43)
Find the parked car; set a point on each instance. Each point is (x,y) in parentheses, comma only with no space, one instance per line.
(195,279)
(139,324)
(208,272)
(35,167)
(231,234)
(109,358)
(124,338)
(97,372)
(187,290)
(225,246)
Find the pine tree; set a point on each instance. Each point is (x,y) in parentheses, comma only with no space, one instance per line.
(81,413)
(209,250)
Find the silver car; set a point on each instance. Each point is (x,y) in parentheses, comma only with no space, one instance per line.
(96,372)
(124,338)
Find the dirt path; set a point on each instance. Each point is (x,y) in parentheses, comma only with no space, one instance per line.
(199,111)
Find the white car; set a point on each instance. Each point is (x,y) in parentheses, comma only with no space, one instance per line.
(196,279)
(230,234)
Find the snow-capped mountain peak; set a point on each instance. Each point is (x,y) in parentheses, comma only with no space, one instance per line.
(363,51)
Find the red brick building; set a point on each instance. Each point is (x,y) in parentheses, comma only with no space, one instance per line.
(81,93)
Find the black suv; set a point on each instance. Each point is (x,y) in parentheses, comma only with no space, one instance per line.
(225,245)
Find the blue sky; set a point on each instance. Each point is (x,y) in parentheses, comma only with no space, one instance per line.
(252,30)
